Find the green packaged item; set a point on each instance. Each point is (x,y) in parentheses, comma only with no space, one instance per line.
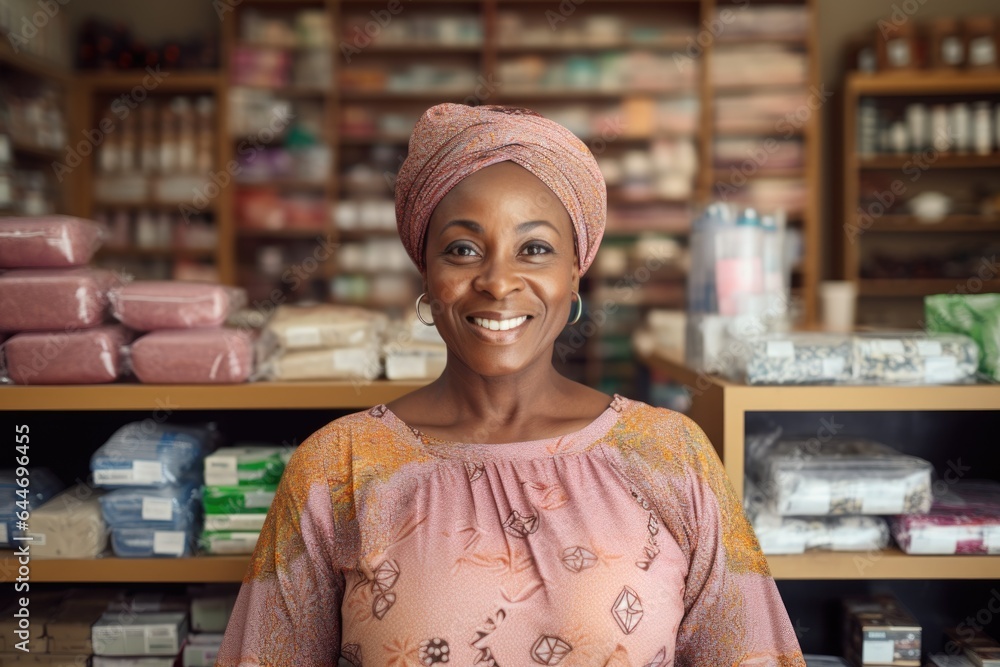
(233,543)
(249,499)
(234,522)
(975,315)
(236,466)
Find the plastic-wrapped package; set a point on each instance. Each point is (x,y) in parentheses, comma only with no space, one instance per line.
(415,365)
(825,661)
(808,477)
(249,464)
(796,535)
(151,305)
(233,543)
(799,358)
(165,508)
(143,454)
(323,326)
(42,485)
(192,356)
(252,499)
(69,525)
(90,356)
(915,358)
(150,542)
(234,522)
(975,315)
(54,299)
(964,520)
(48,242)
(342,363)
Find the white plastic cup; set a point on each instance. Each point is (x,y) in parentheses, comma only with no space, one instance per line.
(839,300)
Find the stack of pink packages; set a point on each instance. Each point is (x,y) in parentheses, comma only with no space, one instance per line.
(186,343)
(56,307)
(964,520)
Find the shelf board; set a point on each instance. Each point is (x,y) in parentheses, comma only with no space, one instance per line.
(173,206)
(924,82)
(156,253)
(916,287)
(952,223)
(31,64)
(751,87)
(941,161)
(288,184)
(423,49)
(774,38)
(887,564)
(186,80)
(36,152)
(110,569)
(344,395)
(673,44)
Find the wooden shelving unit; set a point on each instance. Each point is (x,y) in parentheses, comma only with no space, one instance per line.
(720,408)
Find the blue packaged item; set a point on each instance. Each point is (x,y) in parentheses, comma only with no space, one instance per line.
(150,543)
(144,454)
(164,508)
(42,485)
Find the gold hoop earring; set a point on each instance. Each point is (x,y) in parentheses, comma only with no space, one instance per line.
(579,309)
(417,308)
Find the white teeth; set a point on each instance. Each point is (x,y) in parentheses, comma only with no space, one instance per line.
(500,325)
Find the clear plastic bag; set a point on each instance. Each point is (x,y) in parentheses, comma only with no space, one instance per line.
(964,520)
(248,464)
(151,305)
(151,455)
(192,356)
(228,542)
(166,508)
(49,241)
(323,326)
(249,499)
(799,358)
(342,363)
(808,477)
(91,356)
(152,543)
(54,299)
(70,524)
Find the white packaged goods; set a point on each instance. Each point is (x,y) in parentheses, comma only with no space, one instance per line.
(323,326)
(69,525)
(808,477)
(232,466)
(799,359)
(54,299)
(145,634)
(239,522)
(915,359)
(91,356)
(342,363)
(796,535)
(232,543)
(193,356)
(963,520)
(163,304)
(48,242)
(138,454)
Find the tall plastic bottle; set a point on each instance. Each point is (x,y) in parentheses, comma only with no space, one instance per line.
(739,271)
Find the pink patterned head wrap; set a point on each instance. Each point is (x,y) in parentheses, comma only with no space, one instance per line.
(453,141)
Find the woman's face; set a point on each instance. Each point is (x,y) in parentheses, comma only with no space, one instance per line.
(501,268)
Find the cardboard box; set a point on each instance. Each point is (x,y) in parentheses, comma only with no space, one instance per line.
(140,634)
(879,631)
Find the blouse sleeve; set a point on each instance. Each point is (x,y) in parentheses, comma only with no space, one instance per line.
(733,611)
(288,609)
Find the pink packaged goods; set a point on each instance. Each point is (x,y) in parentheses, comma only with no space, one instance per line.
(54,299)
(192,356)
(964,520)
(151,305)
(48,242)
(91,356)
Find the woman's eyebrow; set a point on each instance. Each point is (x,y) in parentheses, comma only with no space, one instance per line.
(473,227)
(525,227)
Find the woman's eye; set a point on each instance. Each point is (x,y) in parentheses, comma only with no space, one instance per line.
(463,251)
(536,249)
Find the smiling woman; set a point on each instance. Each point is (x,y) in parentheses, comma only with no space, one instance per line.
(505,515)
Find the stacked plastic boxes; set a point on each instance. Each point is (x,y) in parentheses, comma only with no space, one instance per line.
(155,473)
(240,483)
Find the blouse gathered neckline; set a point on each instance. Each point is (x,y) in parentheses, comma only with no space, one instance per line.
(575,441)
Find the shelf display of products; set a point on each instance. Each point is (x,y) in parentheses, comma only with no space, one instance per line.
(963,520)
(880,631)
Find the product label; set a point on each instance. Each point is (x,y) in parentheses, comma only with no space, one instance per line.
(157,509)
(235,543)
(877,651)
(833,367)
(221,471)
(736,279)
(884,497)
(147,472)
(223,522)
(169,542)
(933,540)
(161,639)
(113,477)
(780,348)
(300,337)
(940,369)
(37,539)
(929,348)
(255,499)
(886,347)
(406,366)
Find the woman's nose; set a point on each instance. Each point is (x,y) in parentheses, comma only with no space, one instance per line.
(498,279)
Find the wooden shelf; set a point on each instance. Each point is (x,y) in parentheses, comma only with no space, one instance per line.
(171,206)
(942,161)
(156,253)
(253,396)
(33,65)
(776,38)
(952,223)
(923,82)
(922,287)
(288,184)
(887,564)
(556,48)
(423,49)
(200,569)
(172,81)
(289,91)
(763,172)
(283,233)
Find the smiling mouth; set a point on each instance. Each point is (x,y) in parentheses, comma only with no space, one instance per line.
(499,325)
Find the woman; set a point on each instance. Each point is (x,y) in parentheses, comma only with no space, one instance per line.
(504,515)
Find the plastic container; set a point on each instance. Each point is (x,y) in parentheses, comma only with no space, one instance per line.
(965,520)
(251,464)
(249,499)
(165,508)
(151,543)
(739,269)
(48,242)
(91,356)
(151,305)
(798,358)
(193,356)
(808,477)
(54,299)
(151,455)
